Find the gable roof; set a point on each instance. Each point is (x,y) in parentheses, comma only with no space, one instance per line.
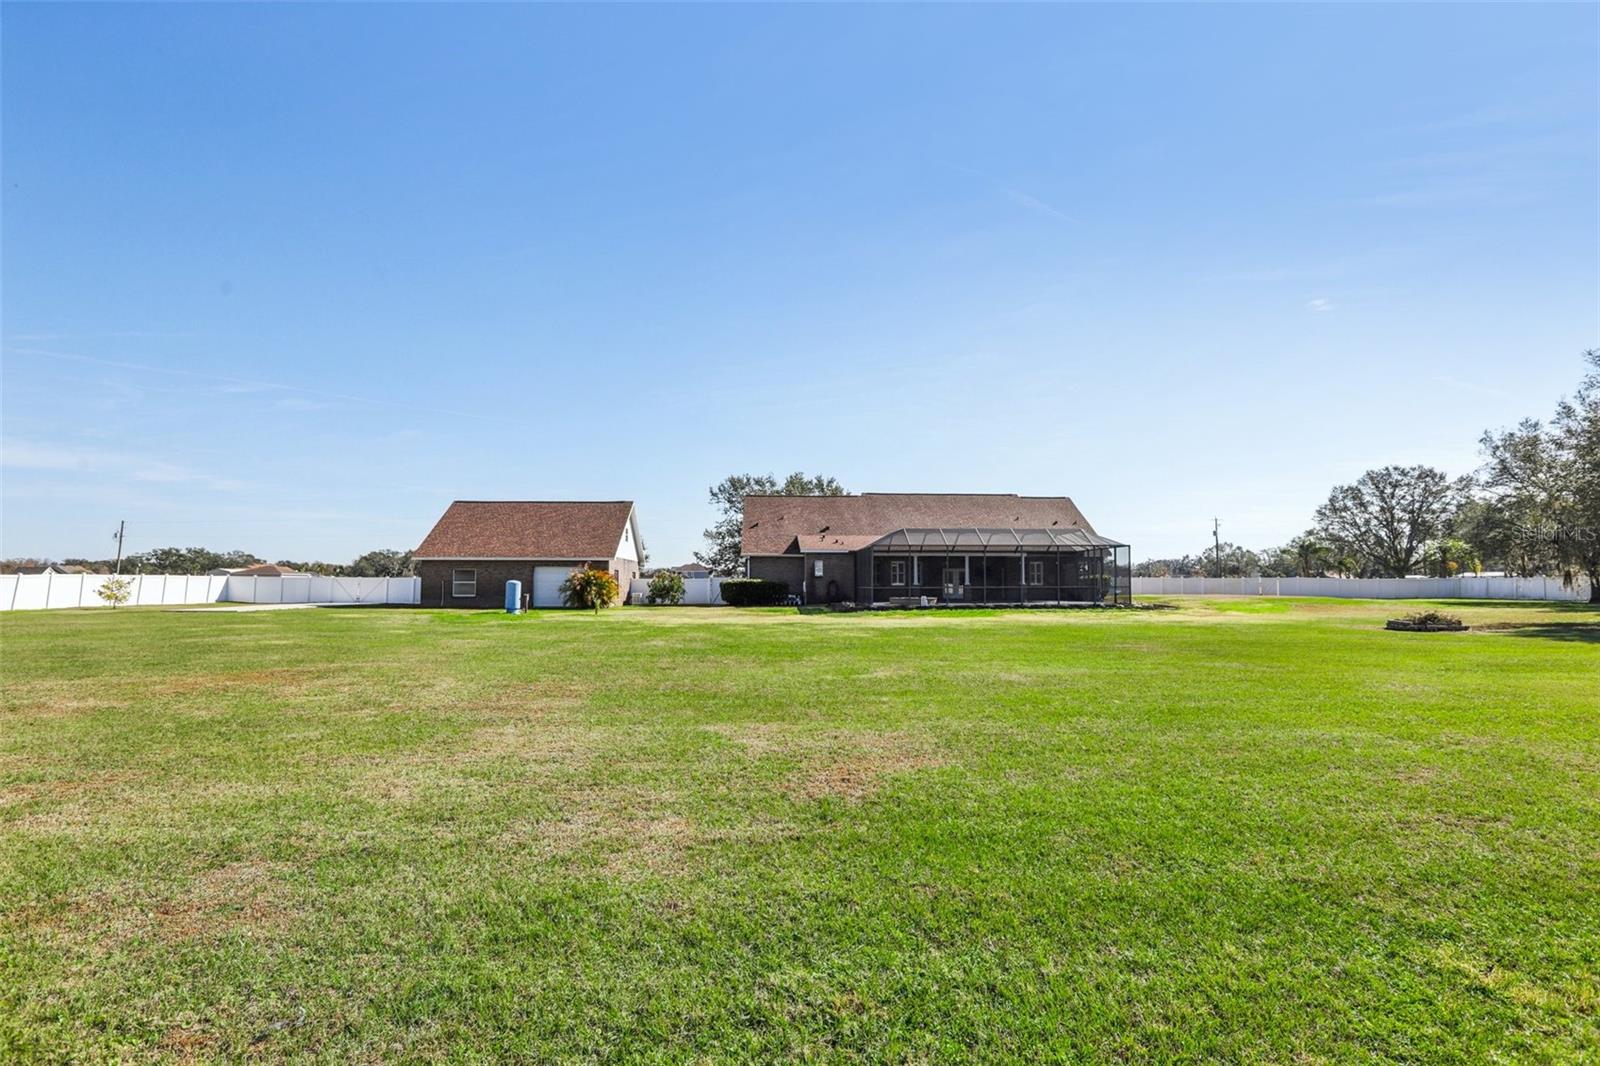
(262,570)
(527,529)
(780,525)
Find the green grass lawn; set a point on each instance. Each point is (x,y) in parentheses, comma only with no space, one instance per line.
(1254,830)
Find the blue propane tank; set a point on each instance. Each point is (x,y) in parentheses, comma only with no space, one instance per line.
(513,597)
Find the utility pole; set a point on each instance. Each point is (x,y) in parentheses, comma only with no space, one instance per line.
(1216,538)
(122,528)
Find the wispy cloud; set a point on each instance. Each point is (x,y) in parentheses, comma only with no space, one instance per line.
(1472,386)
(1319,303)
(117,334)
(1514,170)
(1033,203)
(29,455)
(1455,189)
(245,385)
(1017,196)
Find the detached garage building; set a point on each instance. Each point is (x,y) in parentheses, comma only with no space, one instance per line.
(479,545)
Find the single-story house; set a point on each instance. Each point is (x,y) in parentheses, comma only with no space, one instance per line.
(698,570)
(881,547)
(479,545)
(258,570)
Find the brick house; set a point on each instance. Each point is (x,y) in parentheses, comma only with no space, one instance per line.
(479,545)
(881,547)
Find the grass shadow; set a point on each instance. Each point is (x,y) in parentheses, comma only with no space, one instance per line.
(1560,606)
(1575,632)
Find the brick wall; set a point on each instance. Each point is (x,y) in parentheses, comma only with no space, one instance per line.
(787,568)
(838,569)
(493,575)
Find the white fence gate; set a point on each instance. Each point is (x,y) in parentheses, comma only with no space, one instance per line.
(33,592)
(1368,588)
(697,591)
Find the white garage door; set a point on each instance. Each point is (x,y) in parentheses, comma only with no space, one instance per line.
(547,585)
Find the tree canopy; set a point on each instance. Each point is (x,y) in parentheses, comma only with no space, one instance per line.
(723,552)
(1387,515)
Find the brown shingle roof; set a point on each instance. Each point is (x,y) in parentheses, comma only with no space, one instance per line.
(263,570)
(774,524)
(527,529)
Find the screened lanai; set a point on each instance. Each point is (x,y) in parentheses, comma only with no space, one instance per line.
(995,566)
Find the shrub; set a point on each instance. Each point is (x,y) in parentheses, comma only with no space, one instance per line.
(1431,618)
(115,590)
(666,586)
(589,588)
(754,592)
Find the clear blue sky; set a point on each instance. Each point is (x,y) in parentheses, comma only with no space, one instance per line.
(290,278)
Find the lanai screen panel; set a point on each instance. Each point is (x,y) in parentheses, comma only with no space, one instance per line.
(996,566)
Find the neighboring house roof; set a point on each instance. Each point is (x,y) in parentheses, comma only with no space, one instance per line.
(691,568)
(259,570)
(784,525)
(53,568)
(528,529)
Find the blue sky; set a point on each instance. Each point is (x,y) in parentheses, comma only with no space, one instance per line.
(290,278)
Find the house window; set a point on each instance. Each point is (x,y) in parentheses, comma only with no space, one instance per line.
(897,571)
(463,582)
(1036,572)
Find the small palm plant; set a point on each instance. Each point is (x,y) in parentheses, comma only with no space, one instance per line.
(589,588)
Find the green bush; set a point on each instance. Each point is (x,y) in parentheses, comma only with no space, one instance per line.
(115,591)
(666,586)
(589,588)
(754,592)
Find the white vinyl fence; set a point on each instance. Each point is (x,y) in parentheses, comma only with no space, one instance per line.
(1368,588)
(33,592)
(697,591)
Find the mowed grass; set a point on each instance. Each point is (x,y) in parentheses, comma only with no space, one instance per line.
(1252,830)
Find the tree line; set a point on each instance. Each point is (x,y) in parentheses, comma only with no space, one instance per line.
(1531,509)
(384,562)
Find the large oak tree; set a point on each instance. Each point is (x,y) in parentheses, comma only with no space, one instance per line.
(1386,517)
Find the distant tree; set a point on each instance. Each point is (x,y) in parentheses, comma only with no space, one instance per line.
(1544,482)
(187,560)
(593,589)
(321,569)
(1279,562)
(236,559)
(1235,561)
(385,562)
(723,553)
(1306,556)
(1385,517)
(1494,531)
(115,591)
(12,566)
(1182,566)
(1450,557)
